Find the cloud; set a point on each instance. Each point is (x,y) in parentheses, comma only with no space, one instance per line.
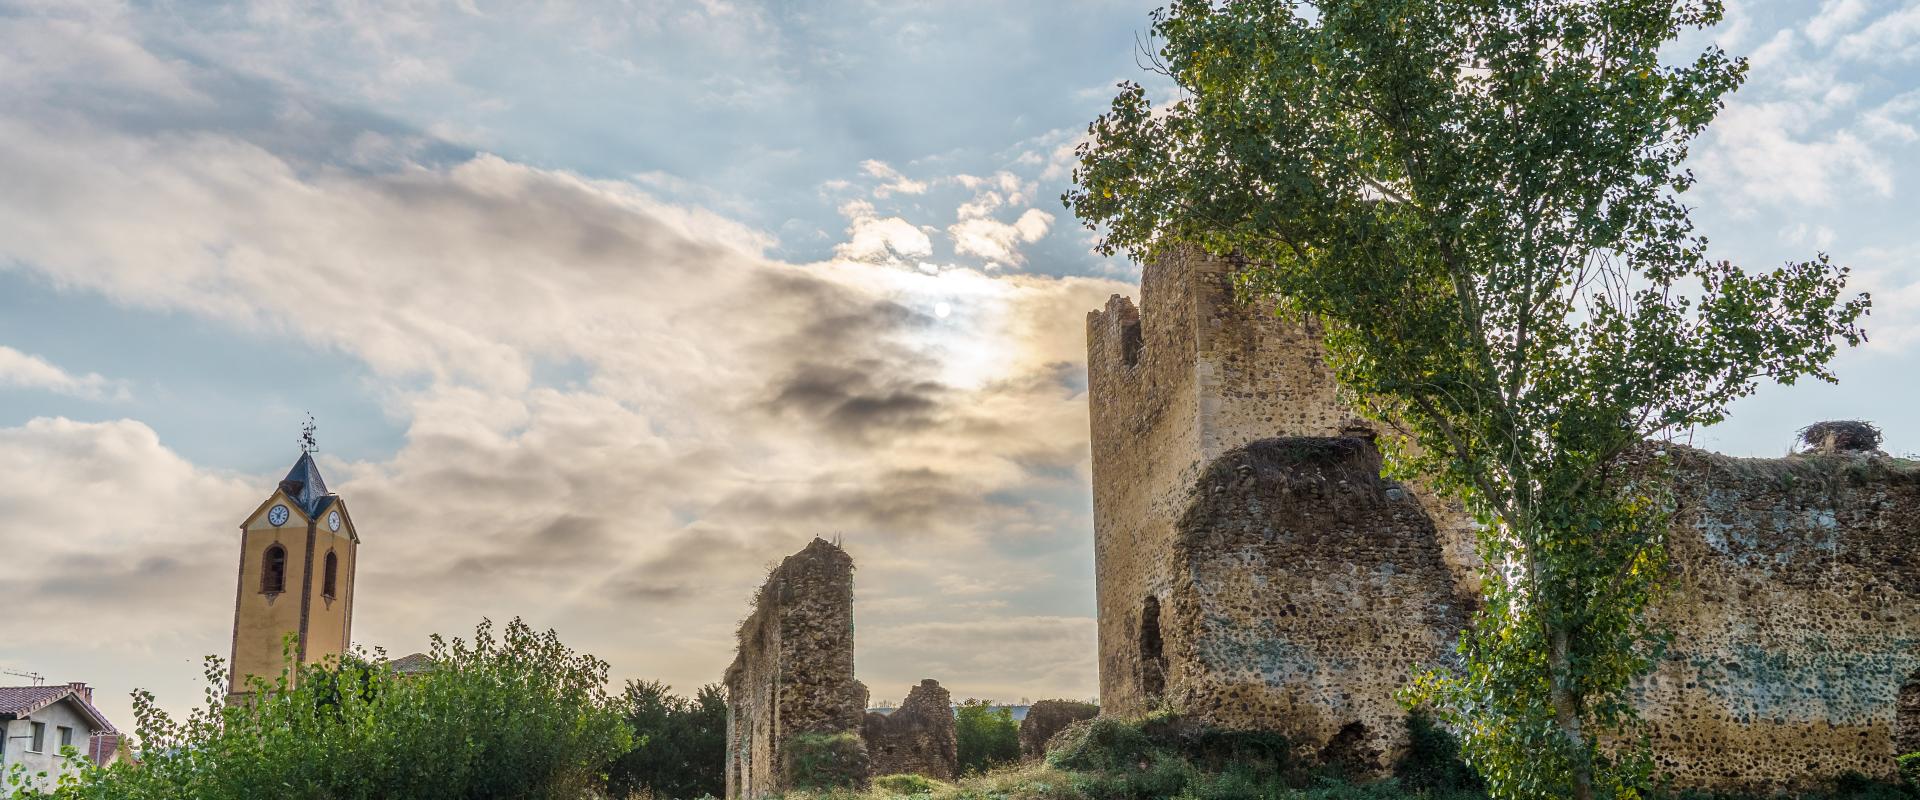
(1834,18)
(998,241)
(103,520)
(33,372)
(731,405)
(896,183)
(877,239)
(1895,36)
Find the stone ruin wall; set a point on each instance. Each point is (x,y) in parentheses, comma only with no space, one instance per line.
(1795,610)
(1159,415)
(1049,717)
(1173,386)
(918,738)
(1792,643)
(794,670)
(1317,588)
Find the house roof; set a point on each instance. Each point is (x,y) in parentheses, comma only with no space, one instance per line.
(304,484)
(19,701)
(103,748)
(413,664)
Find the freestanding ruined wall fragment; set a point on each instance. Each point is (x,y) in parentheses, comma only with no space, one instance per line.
(1254,571)
(793,675)
(918,737)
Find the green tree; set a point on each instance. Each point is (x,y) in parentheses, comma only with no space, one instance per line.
(1479,203)
(985,736)
(520,716)
(680,744)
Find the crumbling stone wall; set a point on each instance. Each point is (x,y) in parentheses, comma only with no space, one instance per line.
(918,737)
(1316,589)
(1794,605)
(793,674)
(1169,390)
(1254,571)
(1049,717)
(1174,388)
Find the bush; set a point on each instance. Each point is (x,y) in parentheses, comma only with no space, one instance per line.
(1099,744)
(680,744)
(985,736)
(824,761)
(1433,759)
(1910,770)
(519,717)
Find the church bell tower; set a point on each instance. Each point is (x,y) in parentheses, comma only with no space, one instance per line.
(298,551)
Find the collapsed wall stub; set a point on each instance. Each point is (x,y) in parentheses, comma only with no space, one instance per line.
(1047,718)
(918,738)
(793,674)
(1255,572)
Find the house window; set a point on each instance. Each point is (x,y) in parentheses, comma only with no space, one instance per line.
(273,570)
(66,737)
(39,737)
(332,574)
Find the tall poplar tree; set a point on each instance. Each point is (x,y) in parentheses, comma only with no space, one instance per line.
(1480,201)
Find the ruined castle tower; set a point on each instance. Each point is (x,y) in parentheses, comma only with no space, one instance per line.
(298,551)
(1254,570)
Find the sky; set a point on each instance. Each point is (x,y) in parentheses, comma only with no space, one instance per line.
(602,308)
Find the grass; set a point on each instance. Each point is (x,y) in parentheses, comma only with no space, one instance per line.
(1158,757)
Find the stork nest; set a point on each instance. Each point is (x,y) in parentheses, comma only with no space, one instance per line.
(1843,435)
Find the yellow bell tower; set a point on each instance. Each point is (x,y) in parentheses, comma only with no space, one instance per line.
(298,551)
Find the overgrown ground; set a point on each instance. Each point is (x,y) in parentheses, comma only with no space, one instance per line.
(1109,759)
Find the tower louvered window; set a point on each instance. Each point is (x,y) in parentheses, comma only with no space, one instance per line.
(329,578)
(273,570)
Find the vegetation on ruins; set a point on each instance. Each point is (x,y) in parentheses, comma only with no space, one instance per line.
(679,743)
(1479,203)
(825,761)
(986,736)
(517,715)
(1164,756)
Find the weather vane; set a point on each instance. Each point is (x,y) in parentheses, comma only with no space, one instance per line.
(308,444)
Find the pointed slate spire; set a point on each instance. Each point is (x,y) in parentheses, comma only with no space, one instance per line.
(304,484)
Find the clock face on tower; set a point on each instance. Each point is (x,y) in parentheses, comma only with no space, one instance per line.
(277,515)
(333,521)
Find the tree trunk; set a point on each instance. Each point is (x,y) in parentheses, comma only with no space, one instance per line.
(1566,712)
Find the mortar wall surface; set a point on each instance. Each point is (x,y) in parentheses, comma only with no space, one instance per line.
(918,738)
(793,673)
(1794,610)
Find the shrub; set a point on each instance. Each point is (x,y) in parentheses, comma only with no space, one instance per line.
(521,717)
(1433,759)
(824,761)
(680,744)
(1910,770)
(1099,744)
(985,736)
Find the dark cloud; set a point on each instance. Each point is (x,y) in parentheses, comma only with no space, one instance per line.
(861,400)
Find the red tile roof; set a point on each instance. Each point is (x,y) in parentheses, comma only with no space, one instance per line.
(19,701)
